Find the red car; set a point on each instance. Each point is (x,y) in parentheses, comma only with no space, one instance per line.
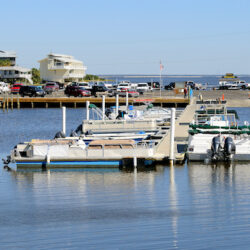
(76,91)
(15,88)
(51,87)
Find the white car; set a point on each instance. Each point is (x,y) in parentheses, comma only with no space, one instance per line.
(85,85)
(142,87)
(4,88)
(123,86)
(244,85)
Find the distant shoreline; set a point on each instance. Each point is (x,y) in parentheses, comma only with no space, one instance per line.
(165,76)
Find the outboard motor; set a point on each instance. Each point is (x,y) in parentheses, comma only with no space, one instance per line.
(59,134)
(229,148)
(216,148)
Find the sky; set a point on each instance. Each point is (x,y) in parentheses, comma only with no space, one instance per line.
(131,36)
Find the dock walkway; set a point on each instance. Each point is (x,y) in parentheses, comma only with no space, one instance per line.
(46,102)
(181,134)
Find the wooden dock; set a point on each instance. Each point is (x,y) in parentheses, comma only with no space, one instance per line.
(58,102)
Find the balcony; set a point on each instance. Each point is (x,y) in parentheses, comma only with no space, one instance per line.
(73,75)
(64,67)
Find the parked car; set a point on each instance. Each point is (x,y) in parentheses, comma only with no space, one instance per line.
(15,88)
(142,87)
(131,93)
(85,85)
(31,91)
(51,87)
(123,86)
(99,89)
(170,86)
(153,85)
(195,86)
(108,85)
(244,84)
(4,87)
(75,90)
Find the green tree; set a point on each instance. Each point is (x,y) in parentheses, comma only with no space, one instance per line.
(90,77)
(36,76)
(4,63)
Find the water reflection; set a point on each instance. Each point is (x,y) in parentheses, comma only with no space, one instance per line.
(81,178)
(173,204)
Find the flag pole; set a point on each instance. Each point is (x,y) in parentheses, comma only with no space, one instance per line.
(161,67)
(160,82)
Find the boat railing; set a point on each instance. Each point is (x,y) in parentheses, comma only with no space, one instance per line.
(142,149)
(208,118)
(121,124)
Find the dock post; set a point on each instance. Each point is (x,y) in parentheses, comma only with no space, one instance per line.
(64,120)
(4,103)
(18,101)
(103,107)
(75,105)
(7,102)
(172,133)
(46,105)
(135,162)
(116,104)
(60,104)
(12,102)
(126,100)
(87,110)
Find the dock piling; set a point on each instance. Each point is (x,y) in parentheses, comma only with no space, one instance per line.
(116,104)
(103,107)
(87,110)
(12,102)
(126,100)
(172,134)
(18,101)
(64,120)
(135,162)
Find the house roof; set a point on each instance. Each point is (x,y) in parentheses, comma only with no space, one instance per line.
(17,68)
(7,53)
(62,58)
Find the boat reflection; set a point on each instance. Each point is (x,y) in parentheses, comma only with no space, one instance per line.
(226,175)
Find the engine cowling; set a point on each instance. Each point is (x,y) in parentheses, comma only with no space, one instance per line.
(215,148)
(229,147)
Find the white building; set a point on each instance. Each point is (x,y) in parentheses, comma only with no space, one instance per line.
(61,68)
(8,55)
(13,73)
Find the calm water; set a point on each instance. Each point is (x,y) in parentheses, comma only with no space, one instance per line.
(186,207)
